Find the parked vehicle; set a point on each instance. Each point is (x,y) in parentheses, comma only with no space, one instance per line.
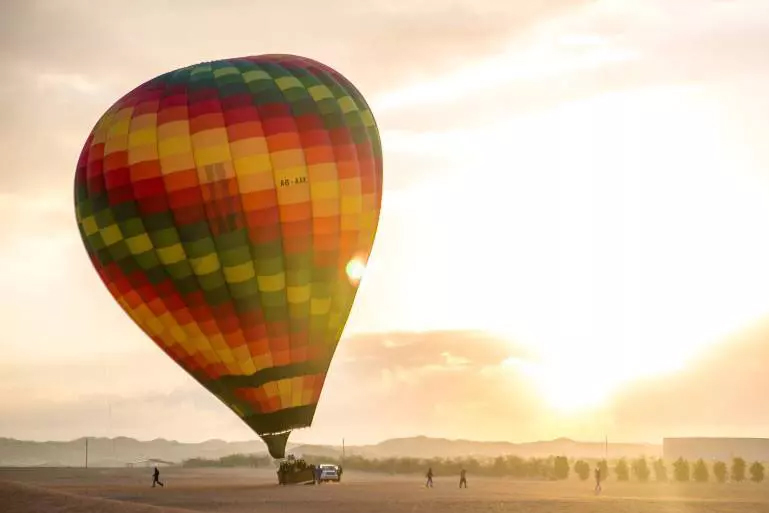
(329,472)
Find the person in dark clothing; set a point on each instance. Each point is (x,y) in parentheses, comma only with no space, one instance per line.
(597,479)
(429,483)
(156,478)
(463,478)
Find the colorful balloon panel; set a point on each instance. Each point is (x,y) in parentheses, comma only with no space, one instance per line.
(221,203)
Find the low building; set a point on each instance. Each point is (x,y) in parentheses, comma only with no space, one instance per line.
(723,449)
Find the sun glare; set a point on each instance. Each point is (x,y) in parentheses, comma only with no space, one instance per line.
(631,241)
(567,389)
(355,269)
(596,346)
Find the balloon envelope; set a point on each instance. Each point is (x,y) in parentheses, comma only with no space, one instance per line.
(222,205)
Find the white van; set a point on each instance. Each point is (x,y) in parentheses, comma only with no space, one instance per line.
(329,472)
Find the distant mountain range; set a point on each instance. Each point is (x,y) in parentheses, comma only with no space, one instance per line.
(122,451)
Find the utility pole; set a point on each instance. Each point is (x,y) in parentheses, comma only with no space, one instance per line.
(86,452)
(342,450)
(606,447)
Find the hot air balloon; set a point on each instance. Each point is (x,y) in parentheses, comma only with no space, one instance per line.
(223,204)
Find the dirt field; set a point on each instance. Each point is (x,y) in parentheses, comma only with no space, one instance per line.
(240,490)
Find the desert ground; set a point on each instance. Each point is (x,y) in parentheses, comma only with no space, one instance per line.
(60,490)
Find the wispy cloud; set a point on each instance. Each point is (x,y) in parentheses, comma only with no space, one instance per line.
(540,61)
(715,396)
(73,81)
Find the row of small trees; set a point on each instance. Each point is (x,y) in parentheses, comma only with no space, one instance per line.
(553,467)
(683,470)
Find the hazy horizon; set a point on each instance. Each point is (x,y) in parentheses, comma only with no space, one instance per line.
(599,163)
(338,443)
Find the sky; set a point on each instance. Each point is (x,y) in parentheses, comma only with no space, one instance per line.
(572,230)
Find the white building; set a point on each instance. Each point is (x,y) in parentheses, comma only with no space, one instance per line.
(723,449)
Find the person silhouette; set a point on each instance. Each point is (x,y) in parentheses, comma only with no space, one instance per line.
(463,478)
(429,483)
(156,478)
(598,479)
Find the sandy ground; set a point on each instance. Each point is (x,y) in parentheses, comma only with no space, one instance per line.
(242,490)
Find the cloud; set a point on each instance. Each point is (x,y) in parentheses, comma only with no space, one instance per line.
(381,385)
(715,395)
(536,63)
(450,384)
(42,213)
(184,415)
(70,61)
(425,59)
(109,395)
(600,49)
(605,46)
(390,39)
(73,81)
(39,242)
(415,349)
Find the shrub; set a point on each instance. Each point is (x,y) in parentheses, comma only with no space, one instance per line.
(641,469)
(756,472)
(738,470)
(681,470)
(622,470)
(582,469)
(719,471)
(561,467)
(701,473)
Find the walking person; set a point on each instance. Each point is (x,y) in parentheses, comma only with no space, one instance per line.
(463,478)
(429,483)
(156,478)
(598,488)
